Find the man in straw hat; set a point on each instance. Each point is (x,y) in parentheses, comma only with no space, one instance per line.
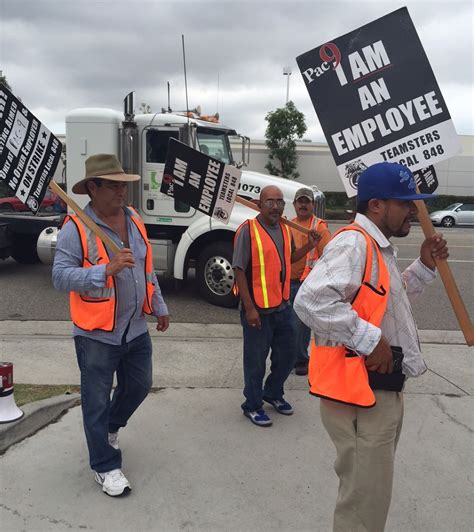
(109,297)
(366,342)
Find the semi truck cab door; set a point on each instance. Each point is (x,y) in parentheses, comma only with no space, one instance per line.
(154,203)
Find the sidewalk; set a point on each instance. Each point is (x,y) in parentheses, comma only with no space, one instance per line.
(196,463)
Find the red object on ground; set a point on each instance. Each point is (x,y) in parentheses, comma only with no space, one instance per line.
(6,375)
(8,410)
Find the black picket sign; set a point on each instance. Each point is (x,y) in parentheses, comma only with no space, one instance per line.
(377,98)
(29,152)
(205,183)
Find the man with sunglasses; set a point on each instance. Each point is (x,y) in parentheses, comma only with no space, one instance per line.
(263,253)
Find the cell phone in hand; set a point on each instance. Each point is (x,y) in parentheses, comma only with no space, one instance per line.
(397,355)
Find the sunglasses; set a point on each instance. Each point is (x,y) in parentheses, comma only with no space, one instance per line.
(270,203)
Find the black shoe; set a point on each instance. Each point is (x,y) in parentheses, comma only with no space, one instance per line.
(301,367)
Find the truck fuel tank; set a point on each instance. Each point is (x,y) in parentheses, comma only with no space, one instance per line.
(46,244)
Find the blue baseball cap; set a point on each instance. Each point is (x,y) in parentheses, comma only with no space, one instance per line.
(388,181)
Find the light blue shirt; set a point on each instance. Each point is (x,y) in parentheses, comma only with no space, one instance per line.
(69,275)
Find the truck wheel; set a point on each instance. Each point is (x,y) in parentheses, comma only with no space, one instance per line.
(24,249)
(215,275)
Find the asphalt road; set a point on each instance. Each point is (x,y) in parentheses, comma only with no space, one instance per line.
(26,292)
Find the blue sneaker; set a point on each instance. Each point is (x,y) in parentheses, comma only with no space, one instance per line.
(258,417)
(280,405)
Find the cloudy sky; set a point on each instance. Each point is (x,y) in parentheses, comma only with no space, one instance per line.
(62,54)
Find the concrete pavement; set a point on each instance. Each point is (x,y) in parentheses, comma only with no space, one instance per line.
(196,463)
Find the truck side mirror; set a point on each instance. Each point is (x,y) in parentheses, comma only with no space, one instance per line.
(245,142)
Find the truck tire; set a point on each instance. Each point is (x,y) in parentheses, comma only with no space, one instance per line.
(24,249)
(215,275)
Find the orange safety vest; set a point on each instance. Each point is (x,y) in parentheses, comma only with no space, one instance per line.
(335,372)
(265,282)
(97,309)
(313,255)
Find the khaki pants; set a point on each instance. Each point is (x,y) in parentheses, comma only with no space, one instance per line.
(365,440)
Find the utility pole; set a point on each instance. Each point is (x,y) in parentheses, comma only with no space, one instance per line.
(287,73)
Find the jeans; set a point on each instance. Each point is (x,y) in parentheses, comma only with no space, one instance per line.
(98,362)
(301,331)
(276,334)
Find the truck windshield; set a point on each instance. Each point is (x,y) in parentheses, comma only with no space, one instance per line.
(215,143)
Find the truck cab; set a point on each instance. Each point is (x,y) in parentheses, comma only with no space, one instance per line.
(181,237)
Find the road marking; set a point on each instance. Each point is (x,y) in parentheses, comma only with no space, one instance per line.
(449,260)
(400,245)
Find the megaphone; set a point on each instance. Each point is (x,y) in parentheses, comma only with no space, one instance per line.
(8,410)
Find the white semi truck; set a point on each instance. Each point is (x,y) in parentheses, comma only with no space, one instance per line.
(181,237)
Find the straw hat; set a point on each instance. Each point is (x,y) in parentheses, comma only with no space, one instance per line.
(104,166)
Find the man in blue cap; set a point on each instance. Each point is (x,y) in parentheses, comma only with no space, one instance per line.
(359,311)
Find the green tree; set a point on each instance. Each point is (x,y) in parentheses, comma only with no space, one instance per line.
(3,79)
(285,126)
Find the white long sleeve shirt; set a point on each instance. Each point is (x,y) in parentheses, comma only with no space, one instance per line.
(323,302)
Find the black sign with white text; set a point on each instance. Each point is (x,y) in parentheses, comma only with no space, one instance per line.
(205,183)
(29,152)
(426,180)
(377,99)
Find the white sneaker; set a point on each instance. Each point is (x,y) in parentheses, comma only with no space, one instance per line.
(113,440)
(114,482)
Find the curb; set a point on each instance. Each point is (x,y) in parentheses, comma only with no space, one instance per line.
(38,414)
(184,330)
(428,336)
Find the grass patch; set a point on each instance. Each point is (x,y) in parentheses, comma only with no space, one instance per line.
(27,393)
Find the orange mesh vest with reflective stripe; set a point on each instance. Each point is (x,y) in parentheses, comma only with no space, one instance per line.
(335,372)
(97,308)
(313,255)
(268,287)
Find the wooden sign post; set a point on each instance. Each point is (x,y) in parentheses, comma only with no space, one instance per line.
(448,279)
(54,187)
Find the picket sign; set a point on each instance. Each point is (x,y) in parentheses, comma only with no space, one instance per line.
(448,279)
(289,223)
(54,187)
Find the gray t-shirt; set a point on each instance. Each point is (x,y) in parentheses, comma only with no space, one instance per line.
(243,253)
